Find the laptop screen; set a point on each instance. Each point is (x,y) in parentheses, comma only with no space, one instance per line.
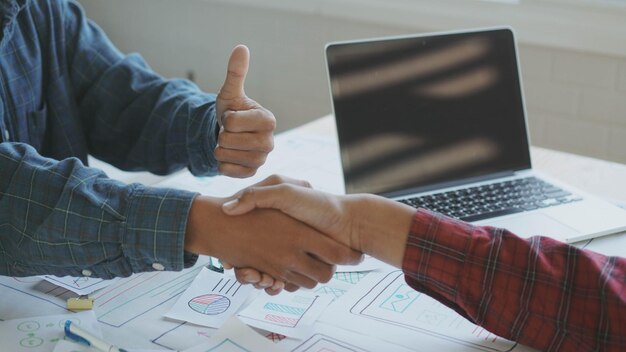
(413,112)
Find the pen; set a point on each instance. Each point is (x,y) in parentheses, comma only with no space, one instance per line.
(81,336)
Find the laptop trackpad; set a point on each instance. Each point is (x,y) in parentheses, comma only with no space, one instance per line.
(533,224)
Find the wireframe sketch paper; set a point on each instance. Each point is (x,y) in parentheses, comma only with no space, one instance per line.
(130,310)
(334,289)
(67,346)
(329,338)
(368,264)
(235,336)
(384,306)
(289,313)
(79,285)
(210,300)
(41,334)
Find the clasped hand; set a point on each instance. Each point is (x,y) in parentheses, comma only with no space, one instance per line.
(366,223)
(265,239)
(296,198)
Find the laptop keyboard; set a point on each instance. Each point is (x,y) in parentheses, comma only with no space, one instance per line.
(497,199)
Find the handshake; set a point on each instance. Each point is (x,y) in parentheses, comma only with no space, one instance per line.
(281,234)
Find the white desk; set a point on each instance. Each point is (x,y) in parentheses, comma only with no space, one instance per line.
(150,330)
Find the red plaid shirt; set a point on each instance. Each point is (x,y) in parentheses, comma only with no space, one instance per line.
(539,292)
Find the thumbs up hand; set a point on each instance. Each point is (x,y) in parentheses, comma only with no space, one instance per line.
(246,128)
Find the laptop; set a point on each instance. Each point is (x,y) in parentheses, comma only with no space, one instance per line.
(438,121)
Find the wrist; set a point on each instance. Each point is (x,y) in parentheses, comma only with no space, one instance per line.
(383,228)
(202,221)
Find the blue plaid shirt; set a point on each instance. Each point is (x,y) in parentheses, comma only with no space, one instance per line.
(66,92)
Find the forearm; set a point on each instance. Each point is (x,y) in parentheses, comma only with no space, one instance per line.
(151,124)
(132,117)
(512,286)
(60,217)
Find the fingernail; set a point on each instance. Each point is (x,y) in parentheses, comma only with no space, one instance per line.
(231,204)
(278,285)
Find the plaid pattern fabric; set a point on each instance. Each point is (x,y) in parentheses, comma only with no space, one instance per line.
(66,92)
(539,292)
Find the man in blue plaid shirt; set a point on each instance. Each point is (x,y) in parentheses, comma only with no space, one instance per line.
(67,92)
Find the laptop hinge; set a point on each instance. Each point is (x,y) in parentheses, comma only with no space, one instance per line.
(448,184)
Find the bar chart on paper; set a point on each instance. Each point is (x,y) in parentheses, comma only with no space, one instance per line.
(290,313)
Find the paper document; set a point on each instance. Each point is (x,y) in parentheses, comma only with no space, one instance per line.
(210,300)
(382,305)
(79,285)
(235,336)
(327,338)
(41,334)
(368,264)
(290,313)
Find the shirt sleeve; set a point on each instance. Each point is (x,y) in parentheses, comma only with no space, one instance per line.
(62,218)
(132,117)
(539,292)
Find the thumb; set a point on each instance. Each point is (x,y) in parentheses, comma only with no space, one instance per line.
(236,75)
(235,207)
(255,197)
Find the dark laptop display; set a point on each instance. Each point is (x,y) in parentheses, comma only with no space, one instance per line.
(422,112)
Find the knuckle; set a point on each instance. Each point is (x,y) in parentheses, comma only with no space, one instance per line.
(258,160)
(240,276)
(270,120)
(289,287)
(268,144)
(219,153)
(247,194)
(288,276)
(286,188)
(222,138)
(229,120)
(249,172)
(275,179)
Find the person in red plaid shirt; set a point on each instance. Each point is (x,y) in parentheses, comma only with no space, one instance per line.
(539,292)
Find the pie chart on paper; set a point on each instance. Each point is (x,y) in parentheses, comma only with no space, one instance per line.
(210,304)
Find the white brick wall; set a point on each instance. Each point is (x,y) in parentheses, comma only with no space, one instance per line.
(621,84)
(576,101)
(585,69)
(617,144)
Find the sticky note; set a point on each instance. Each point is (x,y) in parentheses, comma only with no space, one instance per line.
(78,303)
